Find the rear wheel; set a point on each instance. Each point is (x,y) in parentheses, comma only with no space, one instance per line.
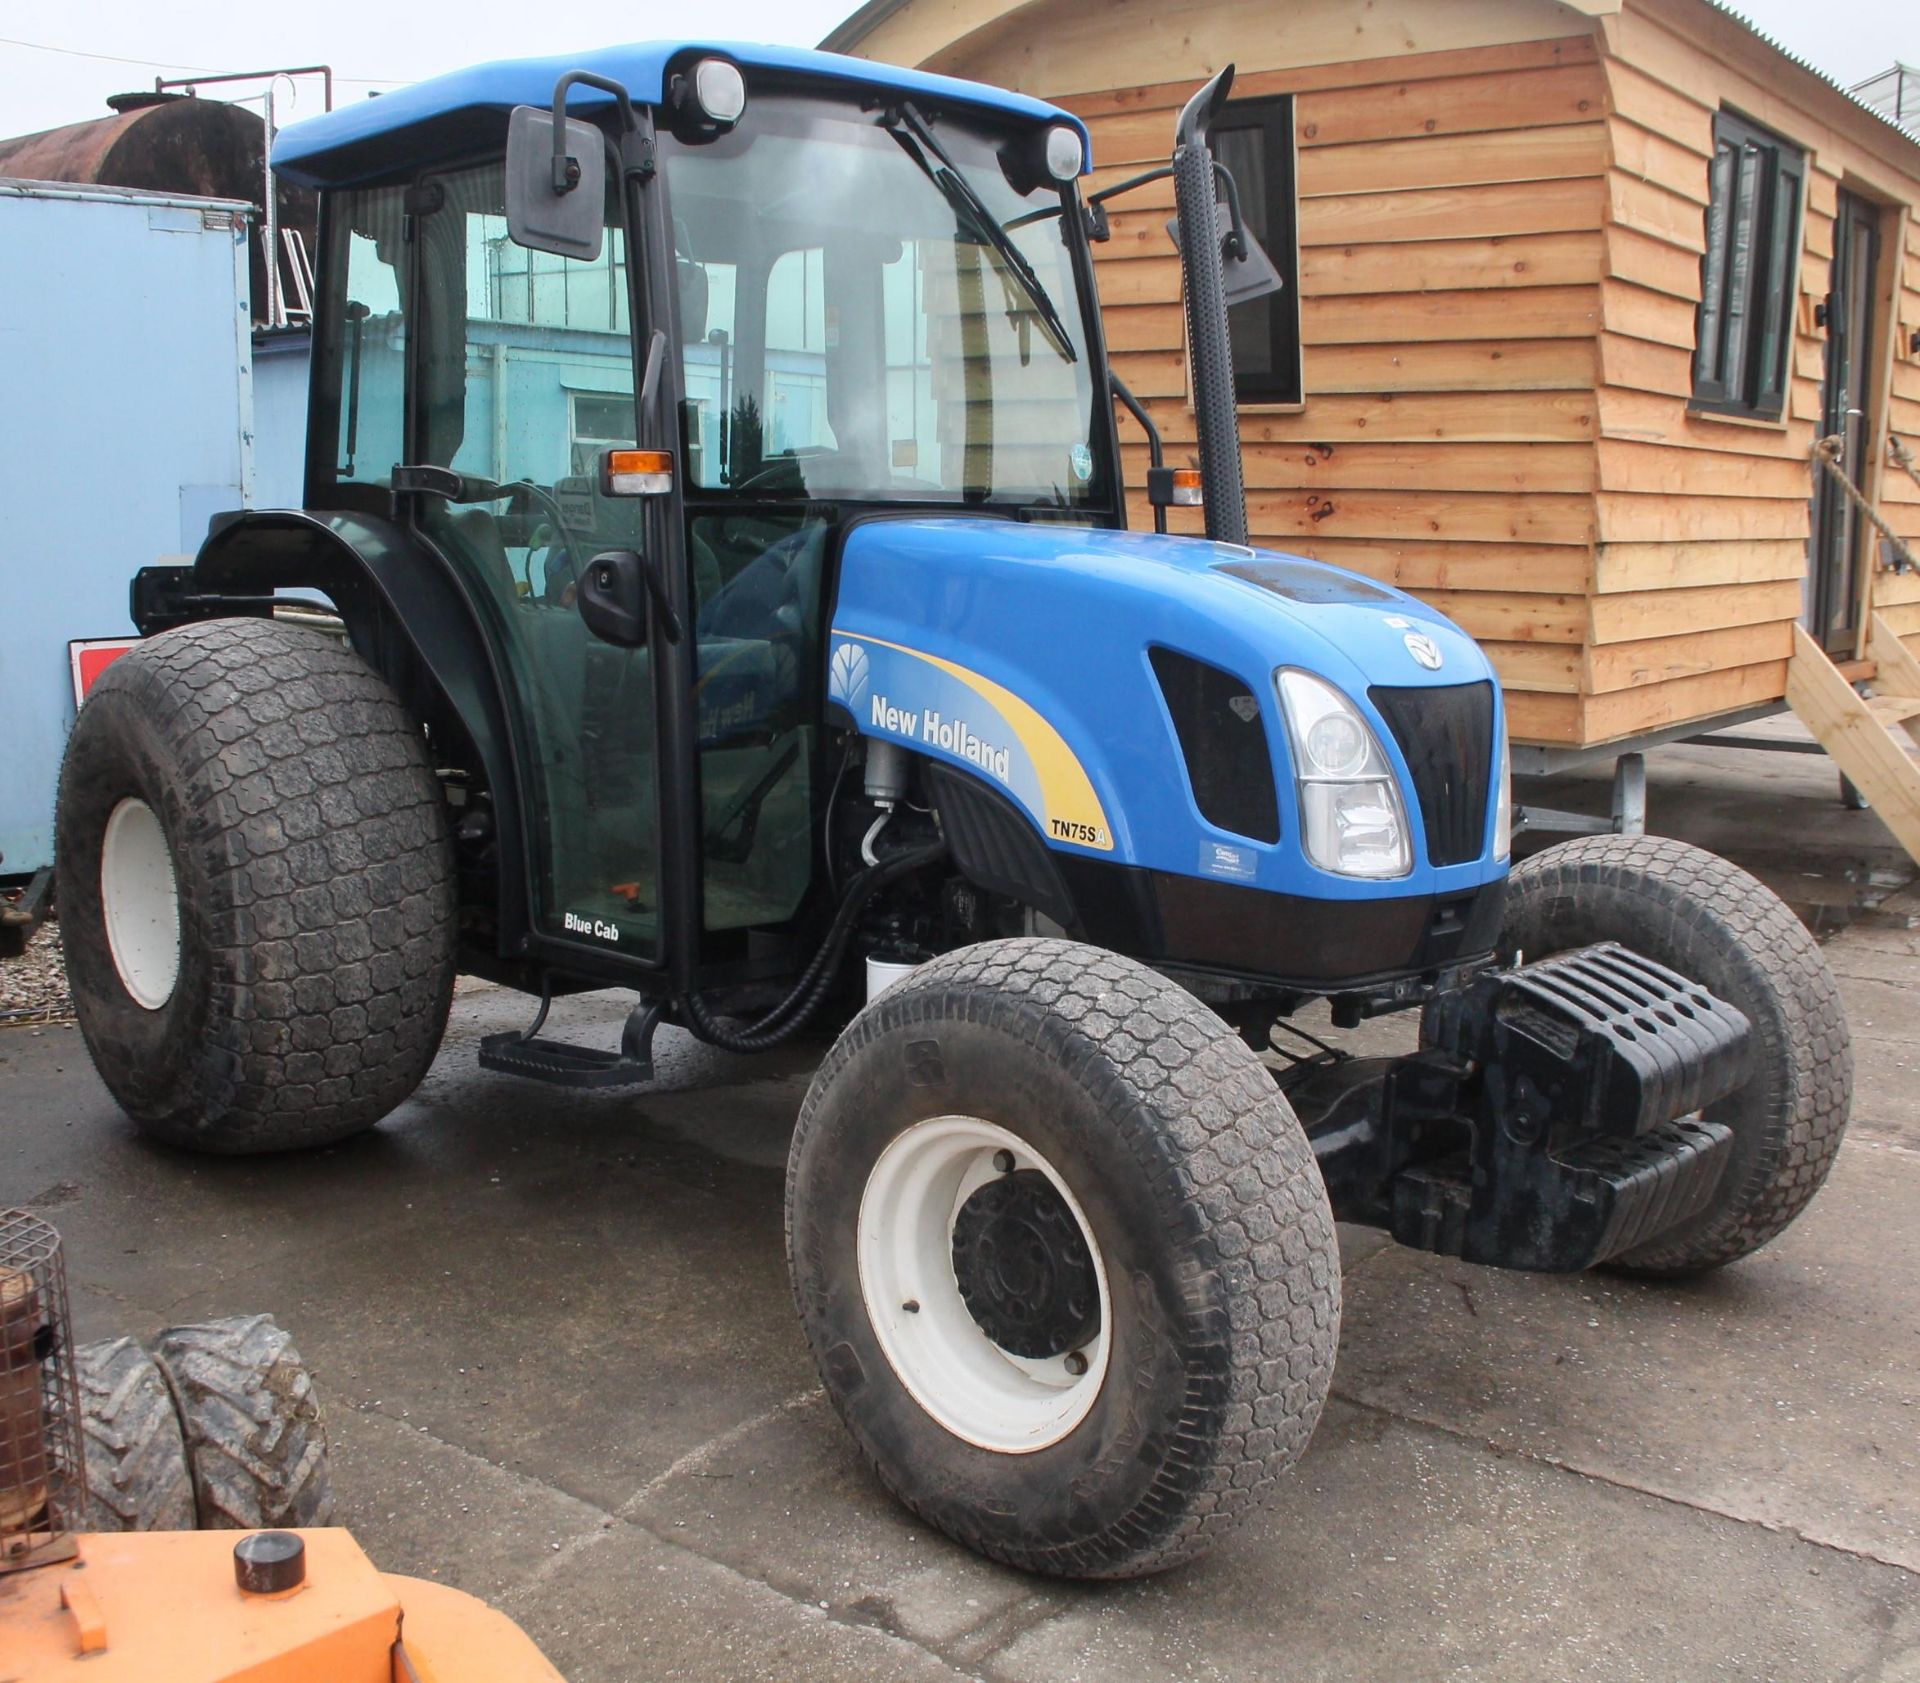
(1706,918)
(1063,1258)
(256,888)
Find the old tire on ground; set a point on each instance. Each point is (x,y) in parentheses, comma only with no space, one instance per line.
(135,1454)
(256,888)
(1708,919)
(255,1440)
(1029,1154)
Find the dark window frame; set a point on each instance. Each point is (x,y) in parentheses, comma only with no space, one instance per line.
(1275,220)
(1744,324)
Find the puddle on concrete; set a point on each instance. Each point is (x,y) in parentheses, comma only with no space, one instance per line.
(1836,870)
(1833,894)
(1829,892)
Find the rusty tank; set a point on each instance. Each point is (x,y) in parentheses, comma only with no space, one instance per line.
(168,143)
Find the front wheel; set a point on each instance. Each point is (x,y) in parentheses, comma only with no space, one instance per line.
(1063,1257)
(1706,918)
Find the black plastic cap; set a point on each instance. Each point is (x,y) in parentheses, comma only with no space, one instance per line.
(269,1562)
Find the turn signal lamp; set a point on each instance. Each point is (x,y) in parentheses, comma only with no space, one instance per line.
(637,473)
(1174,487)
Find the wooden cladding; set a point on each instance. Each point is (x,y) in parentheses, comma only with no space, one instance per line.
(1503,211)
(1452,249)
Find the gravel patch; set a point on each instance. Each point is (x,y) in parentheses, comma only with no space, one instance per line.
(33,987)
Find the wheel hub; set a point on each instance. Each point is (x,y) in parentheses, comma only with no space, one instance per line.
(959,1204)
(1023,1267)
(140,903)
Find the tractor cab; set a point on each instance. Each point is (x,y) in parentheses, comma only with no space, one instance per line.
(797,302)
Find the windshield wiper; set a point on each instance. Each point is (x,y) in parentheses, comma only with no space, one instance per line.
(907,126)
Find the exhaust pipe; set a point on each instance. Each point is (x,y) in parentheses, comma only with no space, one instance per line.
(1216,410)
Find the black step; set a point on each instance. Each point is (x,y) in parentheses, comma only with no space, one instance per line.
(563,1064)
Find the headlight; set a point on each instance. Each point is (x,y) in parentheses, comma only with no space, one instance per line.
(1352,818)
(1503,802)
(1337,746)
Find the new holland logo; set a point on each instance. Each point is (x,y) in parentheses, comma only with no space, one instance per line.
(1425,650)
(848,677)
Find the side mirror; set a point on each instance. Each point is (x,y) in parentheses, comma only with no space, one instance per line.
(613,598)
(1246,271)
(556,184)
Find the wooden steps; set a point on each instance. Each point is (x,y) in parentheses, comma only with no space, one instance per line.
(1893,710)
(1868,738)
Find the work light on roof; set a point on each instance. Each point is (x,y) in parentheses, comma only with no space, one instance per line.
(719,90)
(1065,154)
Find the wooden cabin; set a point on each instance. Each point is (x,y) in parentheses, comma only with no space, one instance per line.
(1508,372)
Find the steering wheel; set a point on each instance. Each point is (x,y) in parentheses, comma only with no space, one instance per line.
(549,506)
(782,473)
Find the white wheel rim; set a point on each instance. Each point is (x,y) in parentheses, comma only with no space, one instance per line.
(140,902)
(977,1390)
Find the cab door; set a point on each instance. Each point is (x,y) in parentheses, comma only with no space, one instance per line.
(521,373)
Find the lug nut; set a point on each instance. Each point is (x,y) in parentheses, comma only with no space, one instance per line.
(1076,1363)
(1003,1161)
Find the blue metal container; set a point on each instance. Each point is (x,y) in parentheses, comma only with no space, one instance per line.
(126,422)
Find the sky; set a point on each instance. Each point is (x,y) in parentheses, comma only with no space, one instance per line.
(386,43)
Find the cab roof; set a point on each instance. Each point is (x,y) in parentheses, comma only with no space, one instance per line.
(448,114)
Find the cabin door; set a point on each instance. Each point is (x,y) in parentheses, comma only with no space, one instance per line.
(1839,534)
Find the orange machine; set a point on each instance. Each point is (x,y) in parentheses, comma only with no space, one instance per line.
(292,1600)
(169,1607)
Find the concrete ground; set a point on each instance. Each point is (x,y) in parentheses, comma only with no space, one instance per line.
(562,1370)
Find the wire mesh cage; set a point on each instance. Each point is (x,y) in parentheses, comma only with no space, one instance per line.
(42,1470)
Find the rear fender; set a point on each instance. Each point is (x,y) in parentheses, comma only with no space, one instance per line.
(408,618)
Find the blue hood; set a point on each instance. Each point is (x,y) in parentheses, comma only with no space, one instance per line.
(1025,649)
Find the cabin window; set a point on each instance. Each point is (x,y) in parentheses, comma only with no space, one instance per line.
(1743,345)
(1254,139)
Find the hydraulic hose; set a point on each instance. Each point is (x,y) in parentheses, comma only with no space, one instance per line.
(806,996)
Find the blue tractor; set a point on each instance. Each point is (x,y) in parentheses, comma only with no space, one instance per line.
(714,473)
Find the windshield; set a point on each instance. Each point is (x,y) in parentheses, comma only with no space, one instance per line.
(854,327)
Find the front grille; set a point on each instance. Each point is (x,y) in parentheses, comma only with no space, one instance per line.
(1446,736)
